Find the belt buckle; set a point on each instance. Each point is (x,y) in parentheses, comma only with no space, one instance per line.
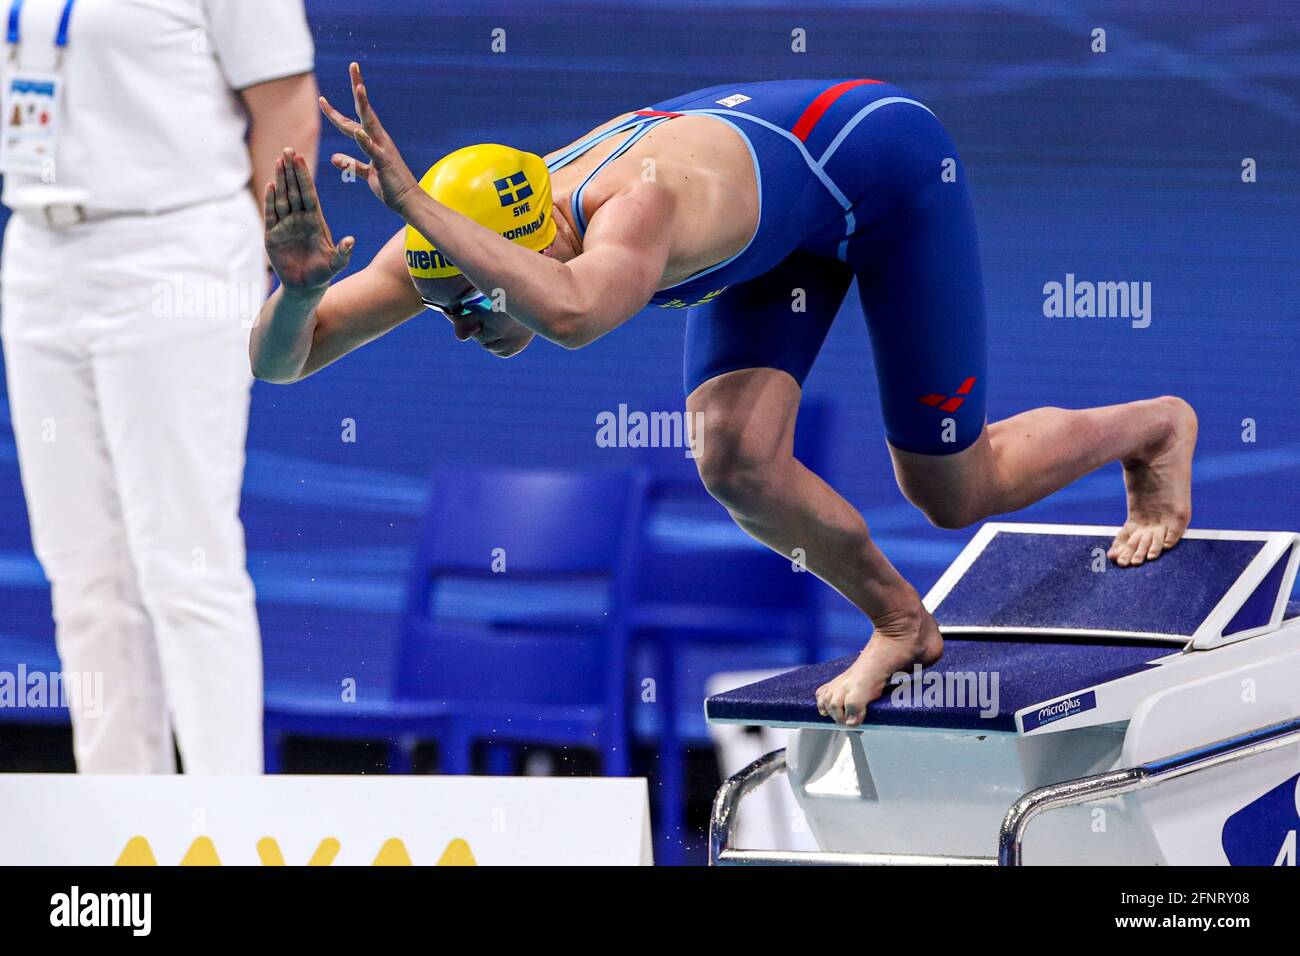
(63,215)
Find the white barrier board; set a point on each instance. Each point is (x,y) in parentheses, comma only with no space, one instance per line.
(67,819)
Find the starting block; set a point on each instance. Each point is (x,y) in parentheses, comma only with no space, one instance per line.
(1143,715)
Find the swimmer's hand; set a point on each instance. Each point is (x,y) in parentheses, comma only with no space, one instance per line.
(386,174)
(298,241)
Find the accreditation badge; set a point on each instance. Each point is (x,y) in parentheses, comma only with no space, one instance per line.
(29,127)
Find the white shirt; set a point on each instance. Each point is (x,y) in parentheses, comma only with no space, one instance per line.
(150,118)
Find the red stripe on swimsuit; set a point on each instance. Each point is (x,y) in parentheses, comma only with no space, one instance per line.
(818,107)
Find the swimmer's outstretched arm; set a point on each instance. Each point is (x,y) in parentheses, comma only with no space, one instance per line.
(569,303)
(309,323)
(572,304)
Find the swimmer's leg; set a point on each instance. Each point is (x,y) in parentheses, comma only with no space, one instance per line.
(1020,460)
(747,421)
(746,355)
(918,275)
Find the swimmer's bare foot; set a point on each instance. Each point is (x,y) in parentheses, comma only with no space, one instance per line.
(1159,483)
(899,641)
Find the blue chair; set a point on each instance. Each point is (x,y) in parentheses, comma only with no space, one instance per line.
(479,661)
(708,598)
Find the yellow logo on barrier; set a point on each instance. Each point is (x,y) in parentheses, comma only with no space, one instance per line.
(203,852)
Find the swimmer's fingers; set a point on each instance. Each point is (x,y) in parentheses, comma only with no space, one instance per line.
(342,254)
(282,207)
(824,696)
(345,163)
(355,169)
(293,191)
(835,704)
(365,111)
(349,128)
(855,707)
(308,201)
(269,215)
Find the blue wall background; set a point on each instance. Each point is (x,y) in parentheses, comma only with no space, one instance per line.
(1117,166)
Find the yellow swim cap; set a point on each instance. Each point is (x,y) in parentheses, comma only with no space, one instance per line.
(505,189)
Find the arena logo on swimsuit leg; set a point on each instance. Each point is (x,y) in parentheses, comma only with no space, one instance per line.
(949,403)
(1084,299)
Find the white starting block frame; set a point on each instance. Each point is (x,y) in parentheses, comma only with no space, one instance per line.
(1181,717)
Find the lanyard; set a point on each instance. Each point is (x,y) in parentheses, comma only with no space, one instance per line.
(15,30)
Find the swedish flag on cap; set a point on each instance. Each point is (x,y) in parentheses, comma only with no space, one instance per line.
(505,189)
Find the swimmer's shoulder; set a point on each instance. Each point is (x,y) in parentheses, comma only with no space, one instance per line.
(596,131)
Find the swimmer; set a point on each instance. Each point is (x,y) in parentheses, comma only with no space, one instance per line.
(758,203)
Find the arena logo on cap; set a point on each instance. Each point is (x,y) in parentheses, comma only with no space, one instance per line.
(426,260)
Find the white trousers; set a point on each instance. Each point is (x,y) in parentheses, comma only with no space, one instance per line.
(125,344)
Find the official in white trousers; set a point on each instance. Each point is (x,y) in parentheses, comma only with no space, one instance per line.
(131,271)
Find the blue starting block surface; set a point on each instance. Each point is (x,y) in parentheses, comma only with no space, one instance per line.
(1032,607)
(1212,587)
(1026,672)
(1029,671)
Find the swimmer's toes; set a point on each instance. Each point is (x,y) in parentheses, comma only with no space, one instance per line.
(1120,549)
(1157,544)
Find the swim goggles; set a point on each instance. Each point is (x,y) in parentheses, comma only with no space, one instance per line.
(476,304)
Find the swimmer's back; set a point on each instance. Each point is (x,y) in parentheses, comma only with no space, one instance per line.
(706,165)
(756,182)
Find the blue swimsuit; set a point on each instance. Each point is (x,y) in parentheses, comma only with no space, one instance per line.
(855,179)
